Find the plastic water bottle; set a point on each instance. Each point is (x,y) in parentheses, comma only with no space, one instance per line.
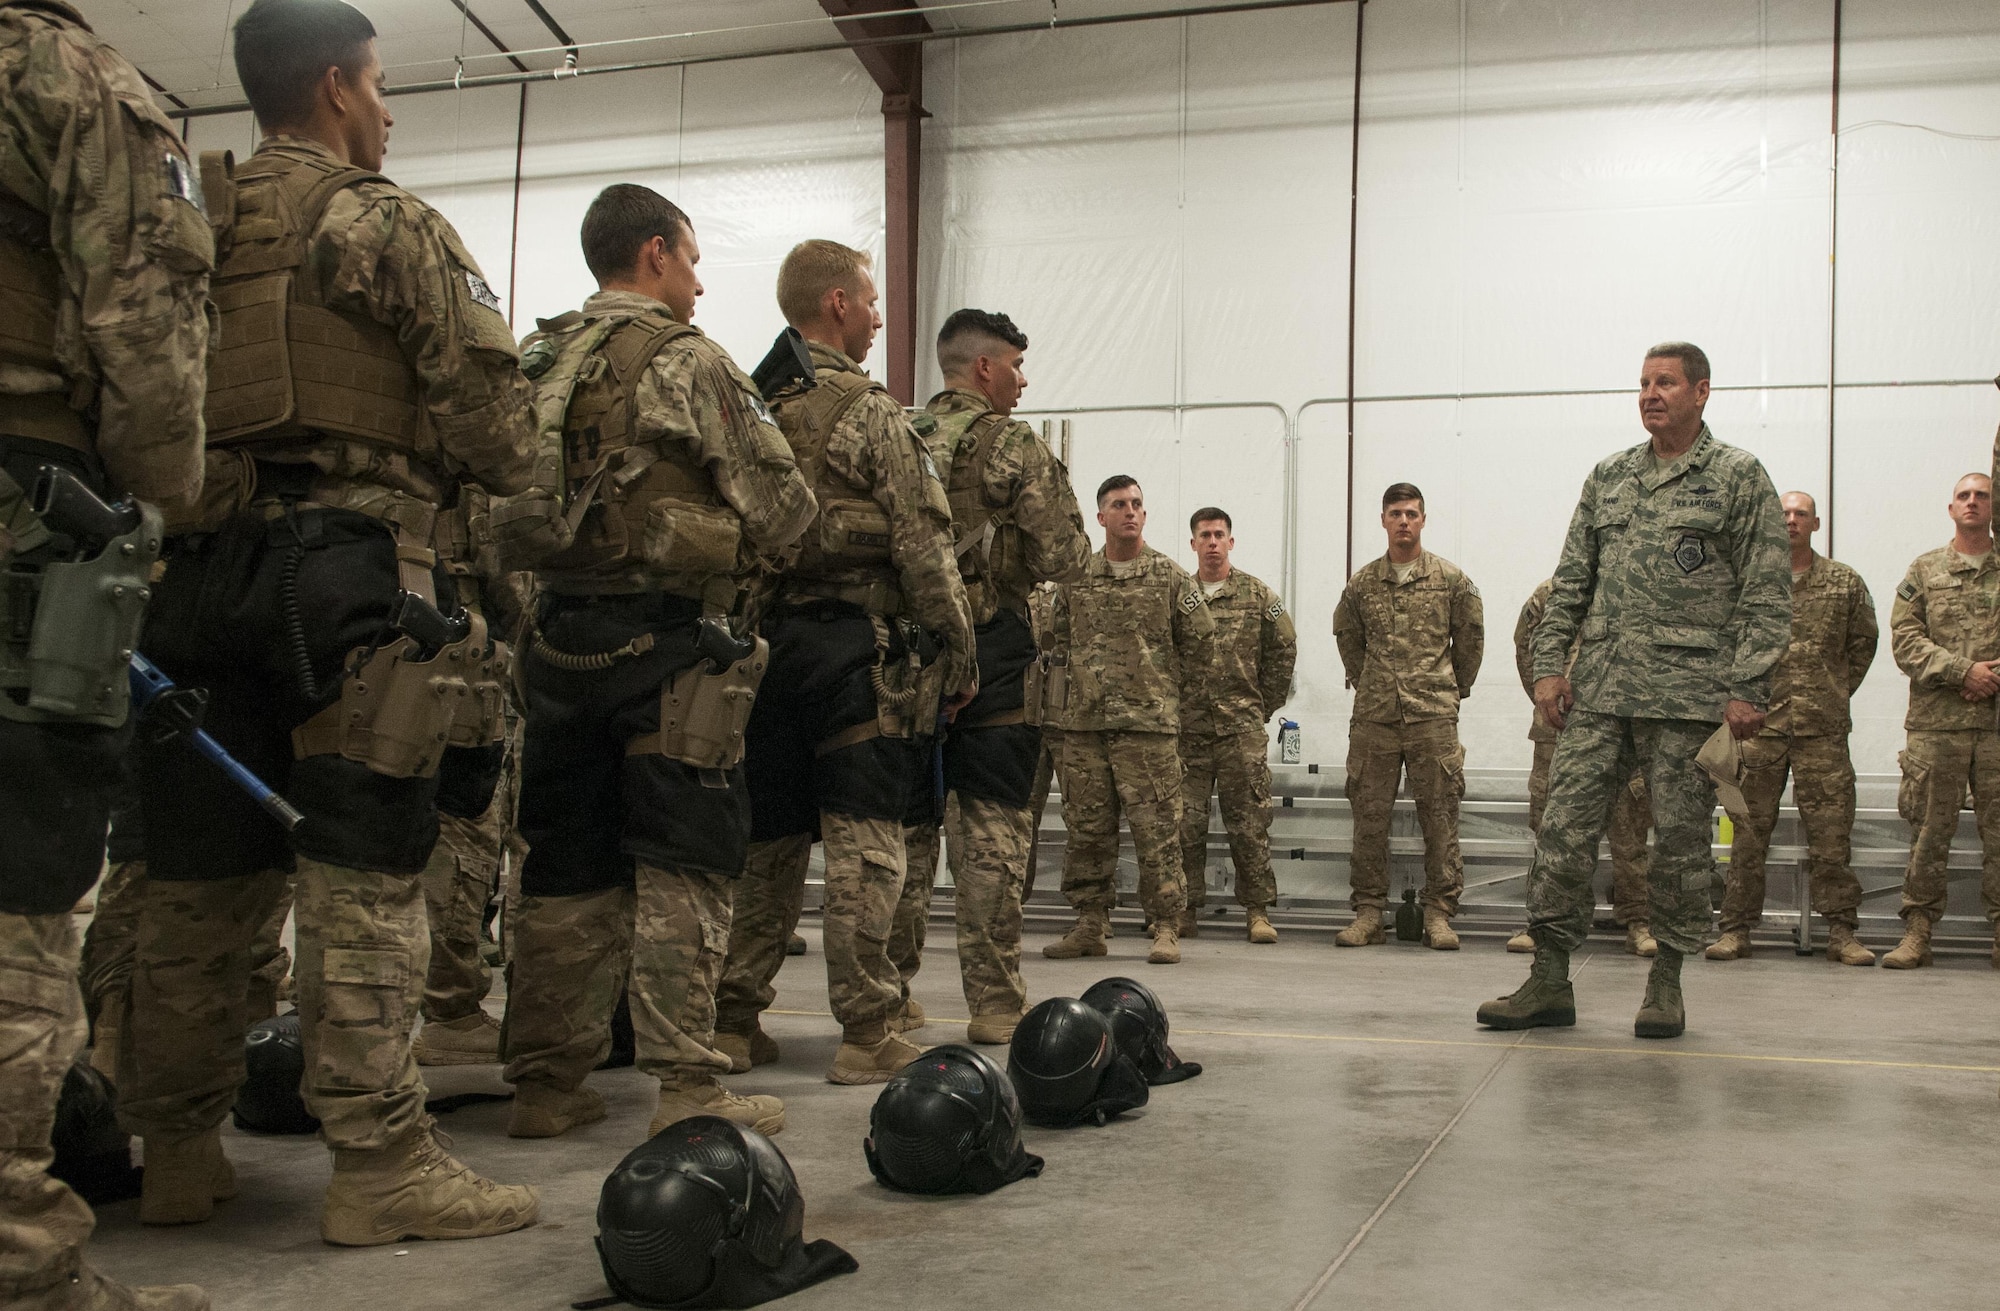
(1288,741)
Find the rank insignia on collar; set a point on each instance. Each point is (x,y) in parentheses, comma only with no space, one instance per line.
(1690,553)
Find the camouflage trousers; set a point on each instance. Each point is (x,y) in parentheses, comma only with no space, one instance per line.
(1038,806)
(1823,786)
(987,846)
(459,881)
(1594,761)
(106,970)
(1938,766)
(43,1224)
(1631,821)
(1377,757)
(865,866)
(1108,772)
(572,955)
(362,945)
(1233,765)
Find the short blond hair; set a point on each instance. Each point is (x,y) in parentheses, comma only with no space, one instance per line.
(812,269)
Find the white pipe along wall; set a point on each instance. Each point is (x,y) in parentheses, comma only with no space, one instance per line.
(1545,189)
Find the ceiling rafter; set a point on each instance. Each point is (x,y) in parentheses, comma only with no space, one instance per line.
(487,32)
(897,69)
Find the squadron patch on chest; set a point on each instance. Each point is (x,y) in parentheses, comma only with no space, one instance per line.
(1690,553)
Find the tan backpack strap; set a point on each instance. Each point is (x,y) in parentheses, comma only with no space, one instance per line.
(218,189)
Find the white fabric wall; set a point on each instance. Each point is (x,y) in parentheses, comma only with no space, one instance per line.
(1547,187)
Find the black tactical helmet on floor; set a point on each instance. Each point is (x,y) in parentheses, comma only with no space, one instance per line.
(949,1122)
(92,1154)
(1139,1025)
(707,1214)
(1067,1068)
(274,1059)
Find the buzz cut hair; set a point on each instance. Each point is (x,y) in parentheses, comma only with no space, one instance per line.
(1117,482)
(1694,360)
(1974,474)
(967,331)
(1810,500)
(284,47)
(623,218)
(812,269)
(1209,514)
(1400,492)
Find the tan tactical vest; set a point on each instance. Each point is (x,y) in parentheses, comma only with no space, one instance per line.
(29,280)
(654,520)
(989,550)
(287,365)
(849,541)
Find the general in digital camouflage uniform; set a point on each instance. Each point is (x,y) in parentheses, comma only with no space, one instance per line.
(1833,643)
(364,371)
(1226,701)
(1132,624)
(1631,815)
(1945,632)
(1412,634)
(633,799)
(104,264)
(1017,524)
(870,634)
(1674,574)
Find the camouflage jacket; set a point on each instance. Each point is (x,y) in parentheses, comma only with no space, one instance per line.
(1248,672)
(1411,649)
(1678,582)
(96,177)
(1539,728)
(1946,618)
(1833,643)
(382,254)
(875,452)
(1011,504)
(1130,627)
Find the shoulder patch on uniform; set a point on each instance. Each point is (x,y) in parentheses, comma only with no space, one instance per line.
(1276,610)
(1472,587)
(183,181)
(930,466)
(537,359)
(923,421)
(1190,600)
(1907,590)
(476,287)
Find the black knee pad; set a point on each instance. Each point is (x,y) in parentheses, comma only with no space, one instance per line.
(56,785)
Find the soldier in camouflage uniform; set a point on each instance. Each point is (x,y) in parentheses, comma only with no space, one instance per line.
(1018,526)
(1132,624)
(1674,574)
(1945,632)
(104,264)
(1631,816)
(1833,643)
(364,372)
(1225,704)
(636,829)
(1412,631)
(871,636)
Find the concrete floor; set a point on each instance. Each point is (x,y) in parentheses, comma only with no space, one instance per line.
(1822,1135)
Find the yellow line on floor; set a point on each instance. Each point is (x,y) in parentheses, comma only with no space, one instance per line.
(1531,1047)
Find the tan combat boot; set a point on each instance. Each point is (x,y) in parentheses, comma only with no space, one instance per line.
(1366,931)
(104,1039)
(746,1051)
(1842,946)
(1521,941)
(474,1040)
(1260,929)
(910,1017)
(1190,925)
(90,1291)
(543,1110)
(992,1030)
(870,1054)
(1639,940)
(1914,951)
(1733,945)
(414,1188)
(184,1180)
(764,1114)
(1438,933)
(1085,938)
(1166,945)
